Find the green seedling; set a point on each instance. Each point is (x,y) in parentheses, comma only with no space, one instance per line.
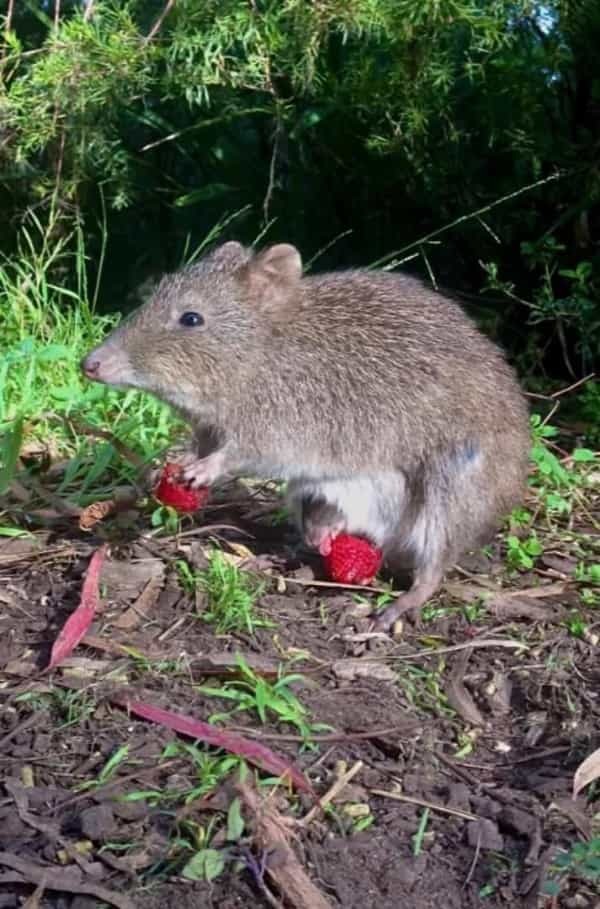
(432,613)
(575,625)
(419,836)
(556,485)
(271,701)
(209,771)
(279,516)
(120,757)
(474,612)
(424,690)
(588,574)
(520,517)
(232,594)
(465,742)
(590,598)
(204,865)
(580,863)
(167,519)
(522,554)
(381,600)
(72,707)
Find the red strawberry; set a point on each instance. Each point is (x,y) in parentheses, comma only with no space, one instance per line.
(352,560)
(178,495)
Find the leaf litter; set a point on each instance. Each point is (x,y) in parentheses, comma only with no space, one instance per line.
(462,718)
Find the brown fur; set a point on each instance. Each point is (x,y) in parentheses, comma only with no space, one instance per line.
(338,376)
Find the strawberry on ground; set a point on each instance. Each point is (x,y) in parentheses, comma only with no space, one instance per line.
(178,495)
(352,560)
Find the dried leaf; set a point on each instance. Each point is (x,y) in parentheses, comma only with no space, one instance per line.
(512,607)
(254,752)
(142,606)
(587,772)
(240,550)
(77,624)
(95,513)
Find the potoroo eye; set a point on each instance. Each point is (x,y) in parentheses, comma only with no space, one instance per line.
(191,320)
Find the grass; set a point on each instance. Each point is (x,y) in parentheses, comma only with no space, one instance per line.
(46,328)
(231,594)
(269,701)
(69,708)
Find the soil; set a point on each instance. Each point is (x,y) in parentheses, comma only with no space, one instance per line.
(475,717)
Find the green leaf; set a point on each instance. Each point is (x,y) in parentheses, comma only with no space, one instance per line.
(205,865)
(210,191)
(53,352)
(10,447)
(533,547)
(14,532)
(113,762)
(584,455)
(235,821)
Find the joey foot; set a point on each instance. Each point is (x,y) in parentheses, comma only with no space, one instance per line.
(422,590)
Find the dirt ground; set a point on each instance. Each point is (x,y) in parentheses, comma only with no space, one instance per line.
(475,718)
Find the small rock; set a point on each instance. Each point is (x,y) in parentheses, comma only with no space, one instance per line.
(98,823)
(486,833)
(84,902)
(8,901)
(130,811)
(11,829)
(459,796)
(579,901)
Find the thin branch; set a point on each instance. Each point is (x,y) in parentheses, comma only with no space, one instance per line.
(272,168)
(157,25)
(56,14)
(564,391)
(89,7)
(9,15)
(472,214)
(8,25)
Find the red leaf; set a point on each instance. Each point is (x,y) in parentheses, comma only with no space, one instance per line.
(252,751)
(79,621)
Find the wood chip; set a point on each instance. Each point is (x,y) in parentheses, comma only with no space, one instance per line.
(67,880)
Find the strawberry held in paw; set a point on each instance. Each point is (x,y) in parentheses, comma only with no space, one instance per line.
(181,497)
(352,560)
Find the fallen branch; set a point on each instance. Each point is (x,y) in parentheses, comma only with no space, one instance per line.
(66,880)
(272,833)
